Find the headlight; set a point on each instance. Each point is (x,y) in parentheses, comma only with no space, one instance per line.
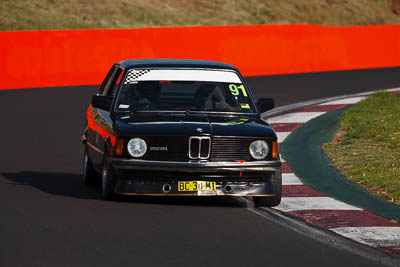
(137,147)
(259,149)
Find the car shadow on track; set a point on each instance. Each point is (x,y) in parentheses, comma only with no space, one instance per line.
(64,184)
(71,185)
(211,201)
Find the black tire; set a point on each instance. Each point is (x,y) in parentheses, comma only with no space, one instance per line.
(108,181)
(271,201)
(89,175)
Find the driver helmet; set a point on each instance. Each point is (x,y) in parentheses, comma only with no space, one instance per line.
(149,89)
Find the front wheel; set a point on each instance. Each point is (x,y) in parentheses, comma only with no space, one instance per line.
(89,174)
(276,199)
(108,181)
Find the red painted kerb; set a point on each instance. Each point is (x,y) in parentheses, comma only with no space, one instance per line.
(82,57)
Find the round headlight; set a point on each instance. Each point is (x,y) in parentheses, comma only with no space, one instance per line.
(259,149)
(137,147)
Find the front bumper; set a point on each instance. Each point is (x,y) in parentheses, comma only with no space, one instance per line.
(141,177)
(195,166)
(157,188)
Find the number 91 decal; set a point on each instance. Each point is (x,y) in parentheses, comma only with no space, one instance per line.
(235,89)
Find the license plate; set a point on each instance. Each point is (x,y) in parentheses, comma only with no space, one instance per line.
(197,186)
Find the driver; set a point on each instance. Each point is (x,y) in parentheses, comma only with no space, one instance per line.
(147,92)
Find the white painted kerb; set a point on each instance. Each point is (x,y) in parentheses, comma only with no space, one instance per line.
(296,117)
(375,236)
(313,203)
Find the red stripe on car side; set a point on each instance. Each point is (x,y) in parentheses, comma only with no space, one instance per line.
(92,124)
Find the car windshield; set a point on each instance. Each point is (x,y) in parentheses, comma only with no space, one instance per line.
(185,90)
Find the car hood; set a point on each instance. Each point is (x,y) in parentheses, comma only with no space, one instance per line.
(197,124)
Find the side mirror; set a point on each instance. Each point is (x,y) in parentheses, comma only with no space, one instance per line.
(101,102)
(265,104)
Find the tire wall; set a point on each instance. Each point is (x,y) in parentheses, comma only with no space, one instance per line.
(82,57)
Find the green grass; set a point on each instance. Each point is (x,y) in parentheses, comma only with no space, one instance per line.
(367,147)
(78,14)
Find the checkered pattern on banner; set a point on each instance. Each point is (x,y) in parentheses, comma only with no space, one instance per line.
(134,74)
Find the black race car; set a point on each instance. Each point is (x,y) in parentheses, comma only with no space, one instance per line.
(165,127)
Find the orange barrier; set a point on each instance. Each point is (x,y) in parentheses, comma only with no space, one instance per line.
(82,57)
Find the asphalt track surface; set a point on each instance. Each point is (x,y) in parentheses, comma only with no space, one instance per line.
(48,218)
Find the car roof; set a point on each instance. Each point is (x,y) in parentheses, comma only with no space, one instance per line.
(174,63)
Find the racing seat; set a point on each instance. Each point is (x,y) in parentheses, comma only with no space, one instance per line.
(216,100)
(201,95)
(210,97)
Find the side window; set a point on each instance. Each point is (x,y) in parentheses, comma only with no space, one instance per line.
(107,79)
(112,91)
(111,84)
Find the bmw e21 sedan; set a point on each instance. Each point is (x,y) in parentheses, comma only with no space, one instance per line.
(165,127)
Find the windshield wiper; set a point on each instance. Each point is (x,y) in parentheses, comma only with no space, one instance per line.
(162,108)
